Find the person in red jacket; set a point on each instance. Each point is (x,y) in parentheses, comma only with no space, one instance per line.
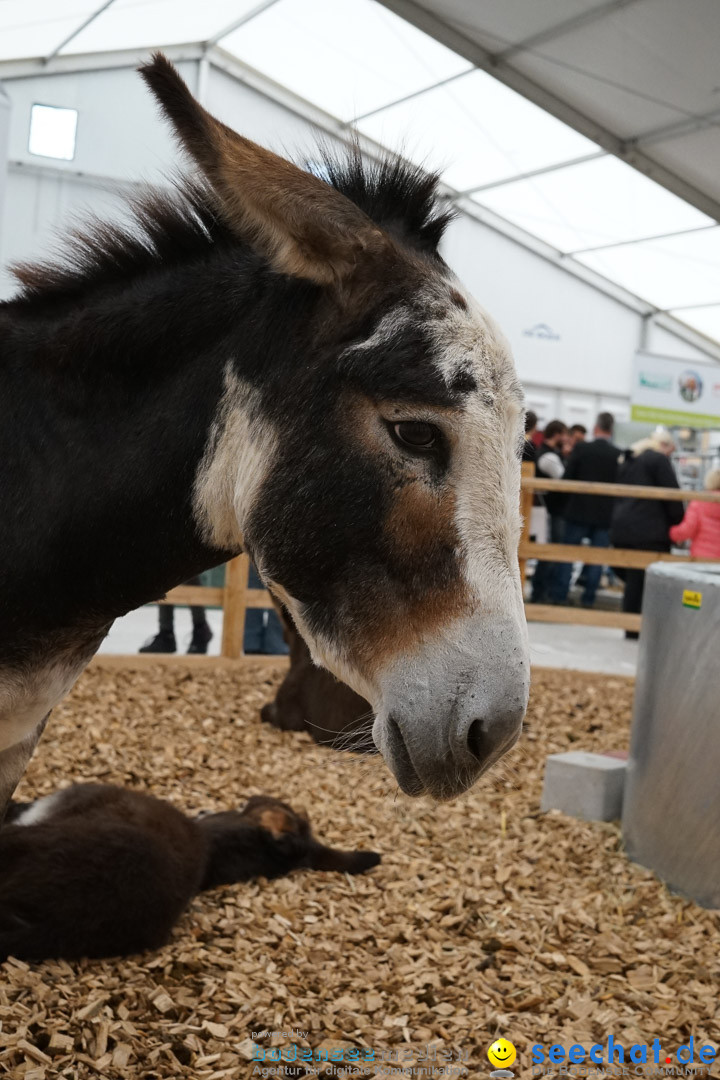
(701,524)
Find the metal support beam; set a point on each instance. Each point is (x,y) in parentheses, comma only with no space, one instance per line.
(95,61)
(411,96)
(687,126)
(691,307)
(575,22)
(454,39)
(203,71)
(237,23)
(640,240)
(535,172)
(78,30)
(5,114)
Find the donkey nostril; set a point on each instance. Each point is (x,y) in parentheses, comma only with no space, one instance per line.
(477,740)
(488,739)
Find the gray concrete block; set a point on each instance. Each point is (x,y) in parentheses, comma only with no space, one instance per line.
(584,785)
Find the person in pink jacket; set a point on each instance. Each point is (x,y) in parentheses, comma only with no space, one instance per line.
(701,524)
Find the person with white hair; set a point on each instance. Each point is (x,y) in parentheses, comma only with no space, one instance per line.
(644,524)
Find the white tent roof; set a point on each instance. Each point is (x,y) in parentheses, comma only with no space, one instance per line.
(596,132)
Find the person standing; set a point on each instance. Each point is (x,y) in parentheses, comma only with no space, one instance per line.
(645,524)
(528,450)
(549,465)
(165,642)
(575,434)
(701,524)
(587,517)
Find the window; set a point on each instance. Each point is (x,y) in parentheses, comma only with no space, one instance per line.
(52,132)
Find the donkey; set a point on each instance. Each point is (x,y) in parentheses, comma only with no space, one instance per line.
(271,362)
(96,870)
(311,699)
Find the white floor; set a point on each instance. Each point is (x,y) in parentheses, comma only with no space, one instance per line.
(577,648)
(582,648)
(133,630)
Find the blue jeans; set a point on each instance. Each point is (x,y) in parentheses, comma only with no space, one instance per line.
(263,629)
(544,579)
(575,533)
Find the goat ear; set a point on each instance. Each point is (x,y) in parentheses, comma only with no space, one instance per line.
(298,222)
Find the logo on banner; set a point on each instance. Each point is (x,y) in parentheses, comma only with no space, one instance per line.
(690,385)
(656,382)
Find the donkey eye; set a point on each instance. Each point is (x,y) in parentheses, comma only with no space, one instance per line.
(416,434)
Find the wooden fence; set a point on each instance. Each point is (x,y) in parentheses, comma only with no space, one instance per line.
(564,553)
(235,597)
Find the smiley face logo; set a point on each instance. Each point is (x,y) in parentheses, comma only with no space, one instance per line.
(502,1054)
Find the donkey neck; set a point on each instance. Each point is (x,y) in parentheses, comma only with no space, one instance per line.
(111,409)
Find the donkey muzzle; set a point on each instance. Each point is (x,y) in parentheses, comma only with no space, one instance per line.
(449,713)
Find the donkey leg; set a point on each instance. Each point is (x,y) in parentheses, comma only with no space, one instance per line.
(13,763)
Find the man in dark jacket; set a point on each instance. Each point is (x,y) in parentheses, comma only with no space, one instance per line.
(528,451)
(645,523)
(549,464)
(588,516)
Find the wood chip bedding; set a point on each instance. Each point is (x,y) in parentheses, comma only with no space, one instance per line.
(484,919)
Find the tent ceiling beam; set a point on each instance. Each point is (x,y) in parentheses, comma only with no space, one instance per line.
(237,23)
(564,27)
(516,80)
(687,126)
(517,177)
(641,240)
(78,30)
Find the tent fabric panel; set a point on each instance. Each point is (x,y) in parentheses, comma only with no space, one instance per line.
(355,56)
(673,272)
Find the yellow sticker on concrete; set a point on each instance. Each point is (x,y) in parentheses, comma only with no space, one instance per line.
(692,599)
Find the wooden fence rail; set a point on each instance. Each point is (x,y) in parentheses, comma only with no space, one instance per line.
(235,598)
(596,556)
(530,482)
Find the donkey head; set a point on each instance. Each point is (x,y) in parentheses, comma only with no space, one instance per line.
(370,463)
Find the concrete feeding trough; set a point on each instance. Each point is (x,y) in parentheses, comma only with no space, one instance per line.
(585,785)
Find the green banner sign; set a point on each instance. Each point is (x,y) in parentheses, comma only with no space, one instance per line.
(649,414)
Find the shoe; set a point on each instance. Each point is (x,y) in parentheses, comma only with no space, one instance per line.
(163,642)
(201,637)
(632,635)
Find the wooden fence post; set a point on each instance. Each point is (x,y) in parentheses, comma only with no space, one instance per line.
(526,505)
(234,606)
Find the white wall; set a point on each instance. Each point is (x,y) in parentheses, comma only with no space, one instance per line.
(5,113)
(120,138)
(573,344)
(664,343)
(40,206)
(118,132)
(563,332)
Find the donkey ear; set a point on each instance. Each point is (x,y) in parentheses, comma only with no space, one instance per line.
(298,222)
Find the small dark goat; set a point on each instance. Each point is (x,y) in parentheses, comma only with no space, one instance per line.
(99,871)
(311,699)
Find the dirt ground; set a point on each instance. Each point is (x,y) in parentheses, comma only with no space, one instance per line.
(485,918)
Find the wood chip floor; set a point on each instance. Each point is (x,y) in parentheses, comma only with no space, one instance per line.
(484,919)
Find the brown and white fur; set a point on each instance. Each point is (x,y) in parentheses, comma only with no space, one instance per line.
(284,365)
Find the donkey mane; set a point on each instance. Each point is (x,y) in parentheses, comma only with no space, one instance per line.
(169,227)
